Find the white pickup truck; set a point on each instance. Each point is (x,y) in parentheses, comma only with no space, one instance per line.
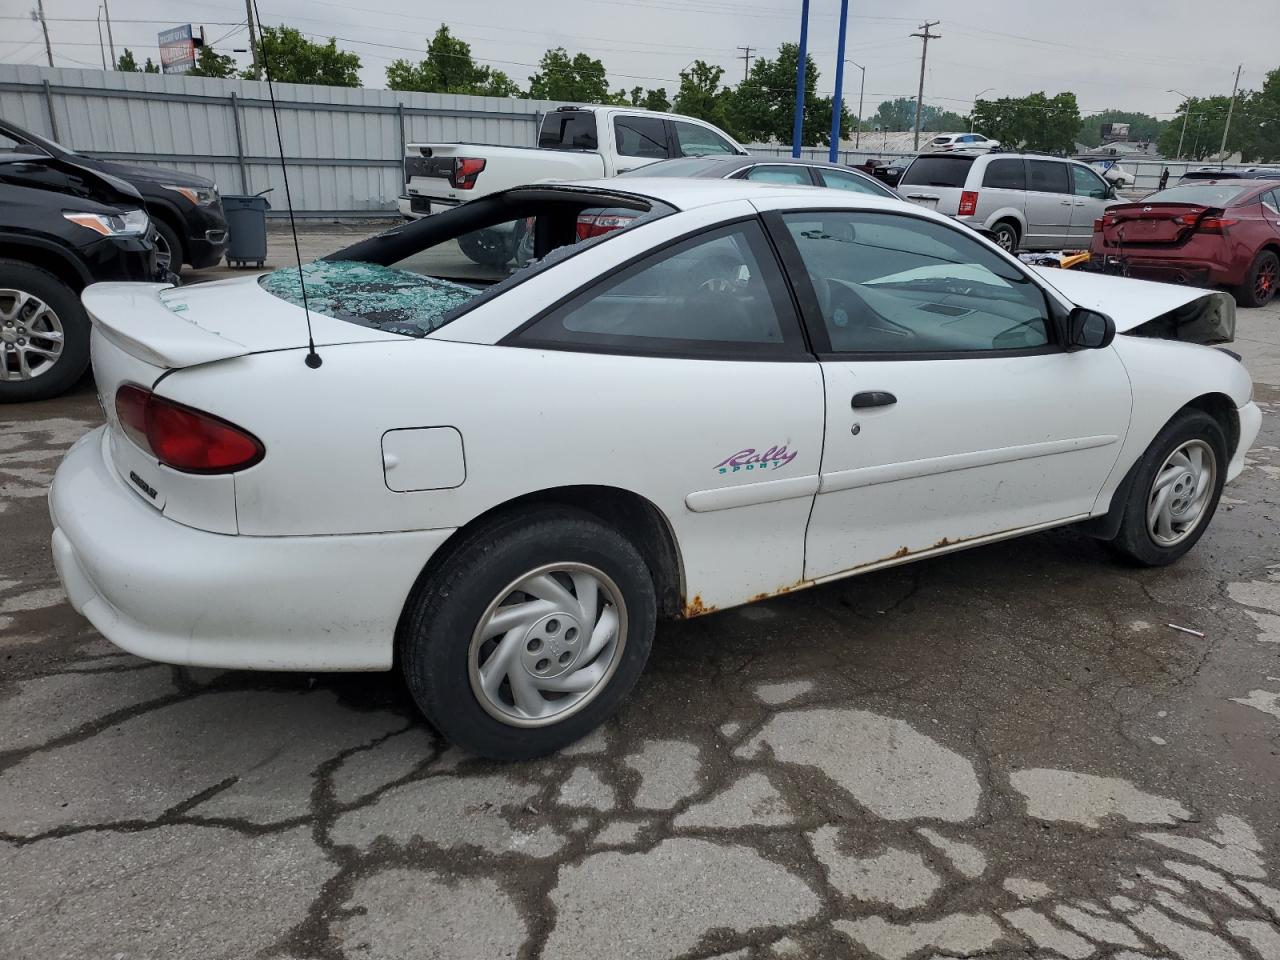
(574,143)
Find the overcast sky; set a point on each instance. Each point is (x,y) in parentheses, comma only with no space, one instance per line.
(1120,54)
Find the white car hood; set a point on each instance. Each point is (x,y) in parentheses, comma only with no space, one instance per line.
(1186,313)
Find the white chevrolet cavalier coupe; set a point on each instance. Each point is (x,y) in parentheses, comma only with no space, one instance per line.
(674,397)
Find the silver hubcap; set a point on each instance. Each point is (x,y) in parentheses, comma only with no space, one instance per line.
(1181,492)
(548,644)
(164,256)
(31,336)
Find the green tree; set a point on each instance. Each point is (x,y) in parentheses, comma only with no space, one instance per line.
(897,115)
(1256,126)
(1203,119)
(1142,126)
(701,95)
(942,121)
(649,99)
(577,79)
(449,68)
(127,63)
(150,67)
(763,105)
(210,63)
(292,58)
(1033,122)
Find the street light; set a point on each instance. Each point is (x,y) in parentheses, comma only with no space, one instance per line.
(976,97)
(857,137)
(1188,98)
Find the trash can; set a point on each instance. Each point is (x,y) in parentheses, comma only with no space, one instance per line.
(246,229)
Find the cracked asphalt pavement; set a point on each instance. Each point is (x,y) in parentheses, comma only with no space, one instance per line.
(1005,752)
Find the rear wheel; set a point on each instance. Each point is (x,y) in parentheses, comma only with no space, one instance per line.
(169,252)
(1261,281)
(489,248)
(530,635)
(1005,235)
(1175,491)
(44,334)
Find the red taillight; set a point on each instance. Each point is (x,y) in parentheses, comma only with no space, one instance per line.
(466,170)
(968,203)
(1216,224)
(182,437)
(597,225)
(1097,225)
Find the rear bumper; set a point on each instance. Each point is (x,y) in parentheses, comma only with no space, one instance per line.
(173,593)
(1171,266)
(414,207)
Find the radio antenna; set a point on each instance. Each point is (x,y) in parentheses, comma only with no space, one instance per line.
(312,359)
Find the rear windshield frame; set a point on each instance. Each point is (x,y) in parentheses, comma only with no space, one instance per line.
(574,124)
(1236,188)
(958,161)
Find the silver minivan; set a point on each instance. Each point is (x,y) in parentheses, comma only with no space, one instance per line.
(1026,201)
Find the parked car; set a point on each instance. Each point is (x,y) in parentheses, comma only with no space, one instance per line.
(574,143)
(758,169)
(1026,201)
(1210,233)
(185,209)
(62,227)
(1110,170)
(736,395)
(971,142)
(1234,173)
(889,172)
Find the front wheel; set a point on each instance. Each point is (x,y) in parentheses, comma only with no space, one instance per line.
(531,635)
(1261,281)
(1175,490)
(44,334)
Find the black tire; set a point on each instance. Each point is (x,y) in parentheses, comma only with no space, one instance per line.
(1260,282)
(489,248)
(62,374)
(170,239)
(446,608)
(1005,235)
(1134,541)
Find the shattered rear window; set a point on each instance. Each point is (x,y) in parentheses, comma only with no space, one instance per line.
(384,298)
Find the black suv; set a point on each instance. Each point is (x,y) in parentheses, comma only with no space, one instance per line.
(62,227)
(186,209)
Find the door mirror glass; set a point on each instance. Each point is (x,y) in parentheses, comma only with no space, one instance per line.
(1089,329)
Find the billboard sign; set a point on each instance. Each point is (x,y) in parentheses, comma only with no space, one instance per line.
(177,49)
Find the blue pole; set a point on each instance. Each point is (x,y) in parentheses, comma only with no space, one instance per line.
(797,125)
(837,101)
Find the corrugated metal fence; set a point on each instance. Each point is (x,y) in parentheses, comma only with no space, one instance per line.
(343,145)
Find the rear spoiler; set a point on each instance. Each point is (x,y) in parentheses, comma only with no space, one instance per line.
(134,318)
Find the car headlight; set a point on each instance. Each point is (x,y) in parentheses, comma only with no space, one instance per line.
(200,196)
(131,223)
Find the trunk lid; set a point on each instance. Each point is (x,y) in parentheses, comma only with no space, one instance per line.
(172,327)
(1153,223)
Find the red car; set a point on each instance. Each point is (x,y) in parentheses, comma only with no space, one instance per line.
(1209,233)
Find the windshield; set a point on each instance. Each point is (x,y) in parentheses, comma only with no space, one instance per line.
(52,146)
(937,172)
(1209,194)
(681,167)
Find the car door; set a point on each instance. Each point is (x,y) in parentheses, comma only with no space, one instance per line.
(1003,191)
(639,140)
(1091,195)
(952,413)
(1048,205)
(684,376)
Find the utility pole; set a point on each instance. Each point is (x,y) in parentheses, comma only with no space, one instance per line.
(862,90)
(101,46)
(48,50)
(110,42)
(1222,150)
(926,36)
(253,43)
(802,60)
(746,60)
(837,101)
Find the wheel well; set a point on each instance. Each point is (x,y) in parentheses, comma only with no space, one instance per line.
(1017,227)
(629,513)
(47,261)
(1221,408)
(159,212)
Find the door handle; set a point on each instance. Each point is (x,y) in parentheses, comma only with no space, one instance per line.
(873,398)
(1065,203)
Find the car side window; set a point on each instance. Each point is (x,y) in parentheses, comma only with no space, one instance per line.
(1048,176)
(1271,200)
(780,173)
(888,283)
(839,180)
(1087,183)
(641,137)
(1005,174)
(720,293)
(10,145)
(698,141)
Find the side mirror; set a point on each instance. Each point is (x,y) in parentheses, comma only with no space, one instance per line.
(1089,330)
(1111,192)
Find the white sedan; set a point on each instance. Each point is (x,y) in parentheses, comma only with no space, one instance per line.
(682,396)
